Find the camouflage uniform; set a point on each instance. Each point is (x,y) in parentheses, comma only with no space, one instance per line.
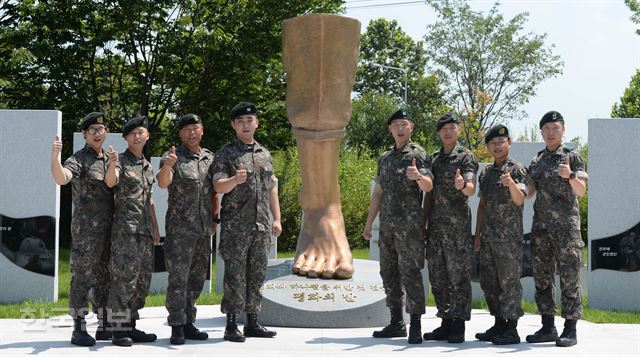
(187,247)
(556,239)
(501,236)
(449,242)
(246,225)
(131,238)
(90,231)
(401,224)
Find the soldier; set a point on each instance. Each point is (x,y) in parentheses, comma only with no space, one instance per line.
(449,241)
(185,170)
(133,234)
(499,228)
(90,226)
(243,172)
(403,172)
(558,175)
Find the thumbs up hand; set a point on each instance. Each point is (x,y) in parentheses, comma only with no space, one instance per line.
(505,178)
(241,175)
(172,158)
(458,180)
(412,172)
(564,169)
(113,156)
(56,148)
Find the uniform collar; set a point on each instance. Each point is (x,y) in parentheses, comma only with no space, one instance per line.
(558,151)
(247,147)
(133,158)
(507,161)
(406,148)
(185,150)
(93,153)
(455,151)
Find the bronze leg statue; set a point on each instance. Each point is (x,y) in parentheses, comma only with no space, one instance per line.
(320,55)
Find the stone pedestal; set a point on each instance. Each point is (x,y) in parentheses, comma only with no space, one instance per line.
(29,206)
(295,301)
(614,214)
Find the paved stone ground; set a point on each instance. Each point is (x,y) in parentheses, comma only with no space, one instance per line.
(52,336)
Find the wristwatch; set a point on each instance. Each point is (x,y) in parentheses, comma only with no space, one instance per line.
(216,219)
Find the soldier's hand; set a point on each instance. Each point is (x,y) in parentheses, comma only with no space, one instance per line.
(276,228)
(412,172)
(172,158)
(564,170)
(56,148)
(458,180)
(505,178)
(476,244)
(241,175)
(366,234)
(113,156)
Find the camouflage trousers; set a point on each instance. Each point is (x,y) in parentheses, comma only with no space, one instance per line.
(89,265)
(500,271)
(131,267)
(561,250)
(401,259)
(186,257)
(449,261)
(245,267)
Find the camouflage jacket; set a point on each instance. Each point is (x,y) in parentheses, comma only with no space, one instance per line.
(449,205)
(92,199)
(190,191)
(556,206)
(401,203)
(502,218)
(248,203)
(132,195)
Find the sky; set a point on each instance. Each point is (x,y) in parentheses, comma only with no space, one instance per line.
(595,39)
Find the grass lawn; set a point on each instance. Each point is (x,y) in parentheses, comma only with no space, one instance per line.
(44,310)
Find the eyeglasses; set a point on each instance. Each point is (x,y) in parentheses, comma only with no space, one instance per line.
(495,144)
(94,131)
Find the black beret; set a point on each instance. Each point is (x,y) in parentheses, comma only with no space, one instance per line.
(447,118)
(498,130)
(188,120)
(401,113)
(551,117)
(243,108)
(93,118)
(133,123)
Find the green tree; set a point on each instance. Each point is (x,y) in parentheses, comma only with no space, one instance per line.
(381,90)
(634,6)
(629,105)
(490,67)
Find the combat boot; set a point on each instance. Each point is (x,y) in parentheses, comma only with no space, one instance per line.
(497,328)
(102,332)
(395,328)
(80,337)
(231,332)
(568,337)
(547,333)
(253,329)
(415,329)
(119,335)
(139,335)
(456,335)
(509,336)
(192,333)
(177,335)
(441,333)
